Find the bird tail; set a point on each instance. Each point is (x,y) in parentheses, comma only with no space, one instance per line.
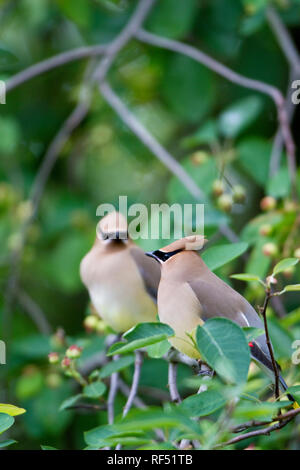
(266,364)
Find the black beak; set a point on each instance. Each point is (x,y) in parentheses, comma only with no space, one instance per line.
(151,254)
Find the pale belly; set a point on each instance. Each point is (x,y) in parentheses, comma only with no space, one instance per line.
(122,308)
(183,317)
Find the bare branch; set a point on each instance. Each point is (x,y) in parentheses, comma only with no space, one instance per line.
(34,311)
(284,39)
(260,432)
(135,22)
(238,79)
(52,63)
(172,381)
(149,141)
(113,389)
(135,381)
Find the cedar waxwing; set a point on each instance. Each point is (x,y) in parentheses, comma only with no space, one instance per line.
(122,281)
(189,294)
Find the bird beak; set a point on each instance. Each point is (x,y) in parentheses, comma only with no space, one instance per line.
(152,255)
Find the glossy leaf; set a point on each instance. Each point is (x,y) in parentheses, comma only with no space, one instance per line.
(218,341)
(219,255)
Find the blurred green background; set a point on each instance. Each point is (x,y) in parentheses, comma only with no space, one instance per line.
(214,128)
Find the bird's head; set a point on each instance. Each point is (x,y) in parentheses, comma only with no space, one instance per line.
(113,227)
(191,243)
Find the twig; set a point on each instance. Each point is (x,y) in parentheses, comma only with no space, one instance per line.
(113,389)
(52,63)
(135,22)
(134,386)
(87,406)
(256,423)
(236,78)
(149,141)
(284,39)
(35,312)
(172,381)
(135,381)
(75,118)
(274,365)
(261,432)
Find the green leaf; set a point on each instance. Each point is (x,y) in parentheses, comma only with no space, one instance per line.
(141,335)
(252,333)
(94,390)
(11,410)
(188,88)
(217,256)
(260,411)
(282,339)
(218,341)
(172,18)
(7,443)
(254,156)
(284,264)
(70,402)
(245,277)
(159,349)
(6,421)
(204,403)
(116,365)
(206,134)
(292,288)
(48,448)
(239,116)
(142,420)
(280,184)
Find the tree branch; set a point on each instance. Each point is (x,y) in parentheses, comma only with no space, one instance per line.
(172,381)
(113,389)
(52,63)
(149,141)
(35,312)
(238,79)
(135,22)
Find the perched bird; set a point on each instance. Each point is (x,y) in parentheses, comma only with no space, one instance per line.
(122,281)
(189,294)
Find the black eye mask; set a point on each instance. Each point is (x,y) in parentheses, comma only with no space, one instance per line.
(165,256)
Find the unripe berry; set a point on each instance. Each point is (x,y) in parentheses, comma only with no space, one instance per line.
(238,194)
(73,352)
(265,230)
(270,249)
(225,202)
(297,253)
(53,358)
(101,326)
(268,203)
(66,363)
(90,322)
(218,188)
(199,157)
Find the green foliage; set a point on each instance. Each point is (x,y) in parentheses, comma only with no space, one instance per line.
(141,335)
(217,256)
(218,340)
(216,130)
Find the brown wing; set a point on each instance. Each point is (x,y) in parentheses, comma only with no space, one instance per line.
(149,270)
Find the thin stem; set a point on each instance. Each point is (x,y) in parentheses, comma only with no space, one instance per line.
(274,365)
(34,311)
(52,63)
(135,381)
(238,79)
(135,22)
(134,386)
(113,389)
(148,140)
(172,381)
